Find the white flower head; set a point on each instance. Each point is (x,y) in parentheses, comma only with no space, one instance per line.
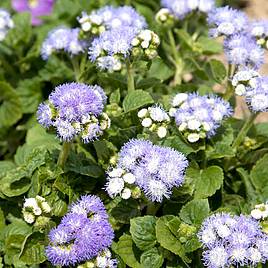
(193,137)
(126,193)
(146,122)
(162,132)
(129,178)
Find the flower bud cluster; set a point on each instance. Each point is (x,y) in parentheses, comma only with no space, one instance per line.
(145,43)
(155,119)
(260,212)
(120,182)
(198,117)
(165,17)
(92,23)
(243,79)
(259,29)
(34,208)
(103,260)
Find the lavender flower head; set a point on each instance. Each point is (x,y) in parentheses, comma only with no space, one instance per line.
(226,21)
(153,169)
(110,18)
(198,117)
(232,241)
(111,48)
(257,97)
(180,8)
(242,50)
(75,109)
(79,237)
(259,29)
(6,23)
(63,39)
(37,8)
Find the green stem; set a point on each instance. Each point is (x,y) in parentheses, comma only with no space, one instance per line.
(76,68)
(244,130)
(177,59)
(130,77)
(66,146)
(152,208)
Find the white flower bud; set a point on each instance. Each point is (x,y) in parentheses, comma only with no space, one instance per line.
(145,44)
(129,178)
(146,35)
(142,113)
(240,90)
(162,132)
(179,99)
(101,261)
(172,112)
(28,217)
(115,186)
(40,198)
(193,137)
(206,126)
(162,15)
(182,126)
(30,203)
(156,39)
(86,26)
(45,207)
(85,119)
(117,66)
(37,211)
(116,172)
(146,122)
(135,42)
(253,82)
(193,124)
(126,194)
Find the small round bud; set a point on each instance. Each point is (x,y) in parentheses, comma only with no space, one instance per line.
(182,126)
(135,42)
(240,90)
(28,217)
(172,112)
(145,44)
(86,26)
(126,194)
(162,132)
(206,126)
(45,207)
(146,122)
(193,124)
(136,193)
(142,113)
(193,137)
(116,172)
(179,99)
(129,178)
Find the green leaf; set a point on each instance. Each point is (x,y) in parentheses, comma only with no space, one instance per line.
(34,249)
(151,259)
(136,99)
(160,70)
(142,230)
(29,92)
(177,143)
(124,248)
(126,210)
(210,181)
(195,211)
(209,45)
(259,175)
(115,96)
(148,82)
(218,70)
(17,181)
(166,239)
(10,109)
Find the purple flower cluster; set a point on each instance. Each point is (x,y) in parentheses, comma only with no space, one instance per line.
(226,21)
(110,18)
(242,50)
(37,8)
(257,96)
(232,241)
(199,116)
(155,170)
(6,23)
(63,39)
(83,233)
(180,8)
(75,109)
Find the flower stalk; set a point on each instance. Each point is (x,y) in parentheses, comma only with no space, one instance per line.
(63,156)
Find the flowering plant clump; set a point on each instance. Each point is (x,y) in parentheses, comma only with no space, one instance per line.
(126,140)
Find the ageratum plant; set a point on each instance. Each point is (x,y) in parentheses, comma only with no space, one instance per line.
(122,141)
